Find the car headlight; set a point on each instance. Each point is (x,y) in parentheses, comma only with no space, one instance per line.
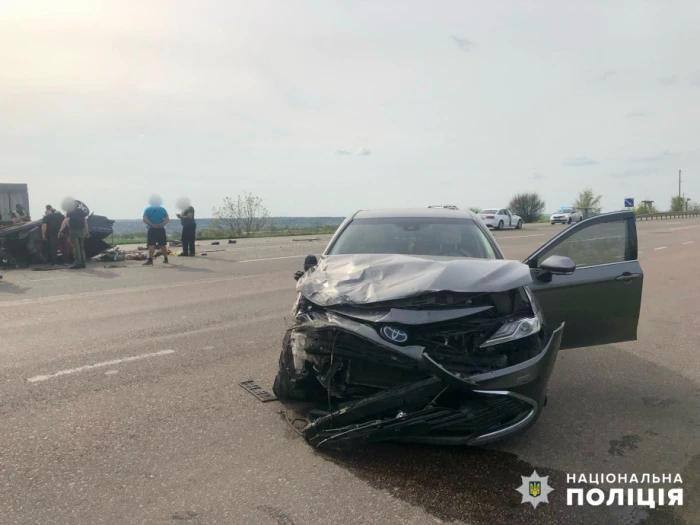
(518,328)
(514,330)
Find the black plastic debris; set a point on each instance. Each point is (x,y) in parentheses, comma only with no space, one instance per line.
(252,387)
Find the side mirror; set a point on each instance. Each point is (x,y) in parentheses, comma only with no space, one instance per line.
(309,262)
(555,265)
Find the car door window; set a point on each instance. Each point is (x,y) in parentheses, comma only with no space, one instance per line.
(601,243)
(599,302)
(501,212)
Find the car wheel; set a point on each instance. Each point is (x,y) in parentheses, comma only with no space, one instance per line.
(519,226)
(551,222)
(291,385)
(569,221)
(500,225)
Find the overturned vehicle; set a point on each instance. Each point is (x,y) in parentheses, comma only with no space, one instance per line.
(413,327)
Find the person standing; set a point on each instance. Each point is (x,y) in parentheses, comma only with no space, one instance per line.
(51,225)
(189,231)
(77,226)
(156,218)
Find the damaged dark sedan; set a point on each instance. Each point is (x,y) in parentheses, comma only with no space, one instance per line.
(412,326)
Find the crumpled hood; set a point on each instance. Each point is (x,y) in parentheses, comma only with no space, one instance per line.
(370,278)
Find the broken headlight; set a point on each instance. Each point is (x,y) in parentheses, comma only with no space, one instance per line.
(512,330)
(518,328)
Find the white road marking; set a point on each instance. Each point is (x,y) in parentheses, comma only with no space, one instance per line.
(688,242)
(660,248)
(111,372)
(519,236)
(111,362)
(207,348)
(272,258)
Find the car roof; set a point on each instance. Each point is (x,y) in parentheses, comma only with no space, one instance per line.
(413,213)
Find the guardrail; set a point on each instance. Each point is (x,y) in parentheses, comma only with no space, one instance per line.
(667,215)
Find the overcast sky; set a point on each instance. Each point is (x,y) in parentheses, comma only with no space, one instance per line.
(325,107)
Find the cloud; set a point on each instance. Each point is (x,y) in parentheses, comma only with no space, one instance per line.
(607,75)
(463,43)
(580,161)
(362,152)
(668,80)
(637,114)
(652,158)
(634,172)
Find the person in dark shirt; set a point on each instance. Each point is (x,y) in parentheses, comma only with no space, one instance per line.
(189,231)
(77,226)
(51,225)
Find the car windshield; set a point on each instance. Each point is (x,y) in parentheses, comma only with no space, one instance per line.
(414,236)
(564,209)
(489,211)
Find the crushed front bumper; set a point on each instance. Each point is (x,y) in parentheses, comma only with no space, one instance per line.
(437,405)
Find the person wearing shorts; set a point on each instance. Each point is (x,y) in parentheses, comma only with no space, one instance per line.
(156,218)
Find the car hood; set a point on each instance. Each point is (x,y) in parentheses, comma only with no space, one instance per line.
(370,278)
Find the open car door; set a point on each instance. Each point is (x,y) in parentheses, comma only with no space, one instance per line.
(600,300)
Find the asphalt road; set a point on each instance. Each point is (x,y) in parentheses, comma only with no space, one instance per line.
(120,403)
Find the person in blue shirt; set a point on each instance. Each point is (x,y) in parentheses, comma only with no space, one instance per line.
(156,218)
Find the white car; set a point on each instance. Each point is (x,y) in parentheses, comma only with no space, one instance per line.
(566,215)
(500,218)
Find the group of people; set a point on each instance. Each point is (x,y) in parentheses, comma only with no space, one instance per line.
(57,230)
(156,218)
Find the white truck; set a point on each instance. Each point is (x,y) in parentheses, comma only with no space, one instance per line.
(500,218)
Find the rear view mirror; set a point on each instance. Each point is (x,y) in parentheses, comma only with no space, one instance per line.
(558,265)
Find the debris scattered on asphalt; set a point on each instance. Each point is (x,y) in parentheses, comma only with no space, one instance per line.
(307,240)
(252,387)
(112,254)
(215,243)
(232,241)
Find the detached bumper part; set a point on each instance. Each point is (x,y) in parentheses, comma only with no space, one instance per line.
(445,407)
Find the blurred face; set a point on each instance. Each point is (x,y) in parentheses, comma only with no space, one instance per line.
(155,200)
(68,204)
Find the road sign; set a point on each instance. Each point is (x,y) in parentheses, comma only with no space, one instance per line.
(629,202)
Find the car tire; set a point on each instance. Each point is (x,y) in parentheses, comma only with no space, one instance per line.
(519,226)
(552,222)
(569,221)
(500,225)
(291,385)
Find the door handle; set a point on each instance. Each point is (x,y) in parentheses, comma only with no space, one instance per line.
(627,276)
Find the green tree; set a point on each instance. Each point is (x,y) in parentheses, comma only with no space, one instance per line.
(243,215)
(588,202)
(645,208)
(474,209)
(528,205)
(677,203)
